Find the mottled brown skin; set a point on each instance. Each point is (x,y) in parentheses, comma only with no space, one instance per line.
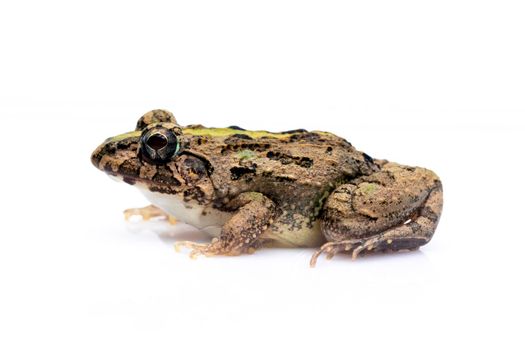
(274,183)
(394,209)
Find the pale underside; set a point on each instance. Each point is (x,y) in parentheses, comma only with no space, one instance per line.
(210,220)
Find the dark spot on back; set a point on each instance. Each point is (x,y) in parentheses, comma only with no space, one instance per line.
(284,178)
(238,136)
(199,140)
(238,172)
(368,158)
(305,136)
(293,131)
(235,127)
(304,162)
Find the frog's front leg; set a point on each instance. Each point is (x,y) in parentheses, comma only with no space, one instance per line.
(253,213)
(394,209)
(149,212)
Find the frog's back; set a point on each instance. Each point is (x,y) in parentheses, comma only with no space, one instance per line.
(289,167)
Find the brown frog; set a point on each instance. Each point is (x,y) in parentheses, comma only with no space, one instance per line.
(297,188)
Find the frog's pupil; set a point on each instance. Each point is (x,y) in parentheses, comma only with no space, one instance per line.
(157,141)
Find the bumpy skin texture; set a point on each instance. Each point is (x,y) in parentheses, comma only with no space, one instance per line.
(278,187)
(254,211)
(393,209)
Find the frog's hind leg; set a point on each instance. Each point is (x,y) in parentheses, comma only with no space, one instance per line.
(395,209)
(148,213)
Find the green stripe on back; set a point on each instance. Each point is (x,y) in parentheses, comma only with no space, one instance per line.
(224,132)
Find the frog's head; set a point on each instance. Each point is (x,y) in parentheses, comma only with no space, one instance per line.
(152,157)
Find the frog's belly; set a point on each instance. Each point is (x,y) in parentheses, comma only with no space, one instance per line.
(211,220)
(205,218)
(303,237)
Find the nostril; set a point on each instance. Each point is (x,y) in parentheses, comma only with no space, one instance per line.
(157,141)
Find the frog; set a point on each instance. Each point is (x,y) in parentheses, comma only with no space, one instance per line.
(250,189)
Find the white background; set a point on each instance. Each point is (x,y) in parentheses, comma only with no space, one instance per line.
(437,84)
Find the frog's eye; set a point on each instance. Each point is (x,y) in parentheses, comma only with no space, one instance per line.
(158,145)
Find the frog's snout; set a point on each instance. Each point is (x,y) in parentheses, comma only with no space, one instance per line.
(119,157)
(96,156)
(109,156)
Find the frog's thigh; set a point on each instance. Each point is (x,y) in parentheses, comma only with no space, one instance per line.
(400,204)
